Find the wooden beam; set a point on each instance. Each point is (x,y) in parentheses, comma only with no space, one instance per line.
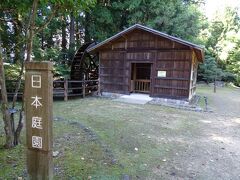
(172,78)
(170,87)
(39,117)
(65,89)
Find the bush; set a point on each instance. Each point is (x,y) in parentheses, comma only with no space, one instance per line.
(209,70)
(61,70)
(11,75)
(237,81)
(228,77)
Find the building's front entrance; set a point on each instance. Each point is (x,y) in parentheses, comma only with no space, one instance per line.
(140,77)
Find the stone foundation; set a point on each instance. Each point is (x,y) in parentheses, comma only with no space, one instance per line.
(111,95)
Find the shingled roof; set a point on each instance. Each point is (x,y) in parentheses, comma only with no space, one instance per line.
(199,50)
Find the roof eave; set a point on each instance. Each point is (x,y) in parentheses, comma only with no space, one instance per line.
(138,26)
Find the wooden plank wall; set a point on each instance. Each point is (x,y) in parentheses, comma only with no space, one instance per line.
(113,72)
(177,65)
(144,47)
(193,78)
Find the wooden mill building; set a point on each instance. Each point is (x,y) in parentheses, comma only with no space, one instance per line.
(140,59)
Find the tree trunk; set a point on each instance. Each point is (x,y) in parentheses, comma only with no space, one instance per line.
(42,40)
(31,30)
(20,124)
(50,42)
(72,38)
(6,115)
(87,37)
(72,31)
(12,136)
(18,46)
(64,40)
(78,35)
(19,128)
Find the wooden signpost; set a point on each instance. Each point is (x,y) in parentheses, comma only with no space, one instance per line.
(38,111)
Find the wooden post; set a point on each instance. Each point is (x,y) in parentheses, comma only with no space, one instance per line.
(99,87)
(65,89)
(214,86)
(134,76)
(38,110)
(83,88)
(206,103)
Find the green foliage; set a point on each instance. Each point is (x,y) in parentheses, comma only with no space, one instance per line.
(12,71)
(221,41)
(15,18)
(229,77)
(12,74)
(68,6)
(233,63)
(61,70)
(52,54)
(98,20)
(102,20)
(167,16)
(210,71)
(223,33)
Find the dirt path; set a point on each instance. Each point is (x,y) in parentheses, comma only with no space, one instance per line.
(225,101)
(213,150)
(214,153)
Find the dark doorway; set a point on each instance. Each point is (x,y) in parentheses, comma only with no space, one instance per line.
(140,77)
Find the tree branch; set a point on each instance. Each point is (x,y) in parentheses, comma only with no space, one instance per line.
(31,30)
(8,20)
(7,10)
(48,20)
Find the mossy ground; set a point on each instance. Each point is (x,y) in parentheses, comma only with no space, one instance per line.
(103,139)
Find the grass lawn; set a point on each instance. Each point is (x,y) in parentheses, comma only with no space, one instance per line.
(103,139)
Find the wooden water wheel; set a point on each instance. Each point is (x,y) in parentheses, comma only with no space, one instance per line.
(85,67)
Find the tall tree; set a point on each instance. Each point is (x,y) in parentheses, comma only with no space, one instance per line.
(72,36)
(31,30)
(5,108)
(223,33)
(222,39)
(209,70)
(27,11)
(233,62)
(64,38)
(166,16)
